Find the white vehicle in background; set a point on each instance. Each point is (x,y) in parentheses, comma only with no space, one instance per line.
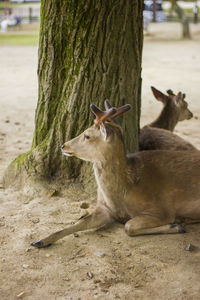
(148,12)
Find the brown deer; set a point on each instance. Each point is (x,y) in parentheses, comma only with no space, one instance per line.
(158,134)
(175,109)
(148,191)
(159,139)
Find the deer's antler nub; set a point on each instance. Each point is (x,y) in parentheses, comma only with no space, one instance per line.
(101,116)
(119,110)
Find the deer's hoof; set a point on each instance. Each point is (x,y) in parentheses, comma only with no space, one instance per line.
(38,244)
(181,229)
(178,227)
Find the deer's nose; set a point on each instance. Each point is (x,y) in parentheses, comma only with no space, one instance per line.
(62,146)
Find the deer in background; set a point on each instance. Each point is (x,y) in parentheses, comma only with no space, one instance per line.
(147,191)
(159,139)
(158,134)
(175,109)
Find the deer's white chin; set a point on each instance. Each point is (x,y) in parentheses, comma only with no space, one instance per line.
(67,153)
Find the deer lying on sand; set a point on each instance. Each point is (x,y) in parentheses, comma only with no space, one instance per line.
(159,139)
(148,191)
(158,134)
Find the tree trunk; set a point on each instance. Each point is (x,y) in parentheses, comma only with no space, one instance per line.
(89,51)
(185,29)
(183,19)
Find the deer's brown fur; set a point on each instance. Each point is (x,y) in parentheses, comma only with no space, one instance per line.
(147,191)
(160,139)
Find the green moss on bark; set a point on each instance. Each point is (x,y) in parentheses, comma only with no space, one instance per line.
(89,51)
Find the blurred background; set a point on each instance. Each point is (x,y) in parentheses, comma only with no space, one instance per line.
(19,22)
(19,19)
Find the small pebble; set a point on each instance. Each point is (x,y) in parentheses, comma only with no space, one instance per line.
(3,259)
(28,249)
(20,295)
(100,254)
(48,255)
(76,235)
(90,275)
(25,266)
(84,205)
(190,247)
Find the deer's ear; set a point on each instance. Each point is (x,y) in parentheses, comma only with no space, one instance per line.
(178,98)
(159,95)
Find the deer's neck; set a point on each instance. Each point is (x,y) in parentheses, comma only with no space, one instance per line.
(111,178)
(110,174)
(166,120)
(110,171)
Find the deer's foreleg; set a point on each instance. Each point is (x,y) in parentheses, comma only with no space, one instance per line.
(99,218)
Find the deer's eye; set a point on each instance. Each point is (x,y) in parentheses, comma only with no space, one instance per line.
(86,137)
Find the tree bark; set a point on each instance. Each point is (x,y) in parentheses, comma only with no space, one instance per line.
(89,51)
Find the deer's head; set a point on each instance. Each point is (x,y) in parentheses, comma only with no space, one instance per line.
(101,139)
(175,103)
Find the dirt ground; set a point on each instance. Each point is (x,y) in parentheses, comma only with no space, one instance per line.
(105,264)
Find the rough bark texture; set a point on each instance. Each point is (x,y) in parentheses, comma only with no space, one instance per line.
(89,51)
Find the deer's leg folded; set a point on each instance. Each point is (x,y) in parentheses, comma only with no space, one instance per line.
(188,221)
(141,225)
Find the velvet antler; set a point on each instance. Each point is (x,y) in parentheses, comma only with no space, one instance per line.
(119,110)
(170,92)
(102,116)
(181,95)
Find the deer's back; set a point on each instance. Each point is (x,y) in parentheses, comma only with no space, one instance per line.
(170,165)
(166,172)
(161,139)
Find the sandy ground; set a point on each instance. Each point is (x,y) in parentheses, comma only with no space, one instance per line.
(120,267)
